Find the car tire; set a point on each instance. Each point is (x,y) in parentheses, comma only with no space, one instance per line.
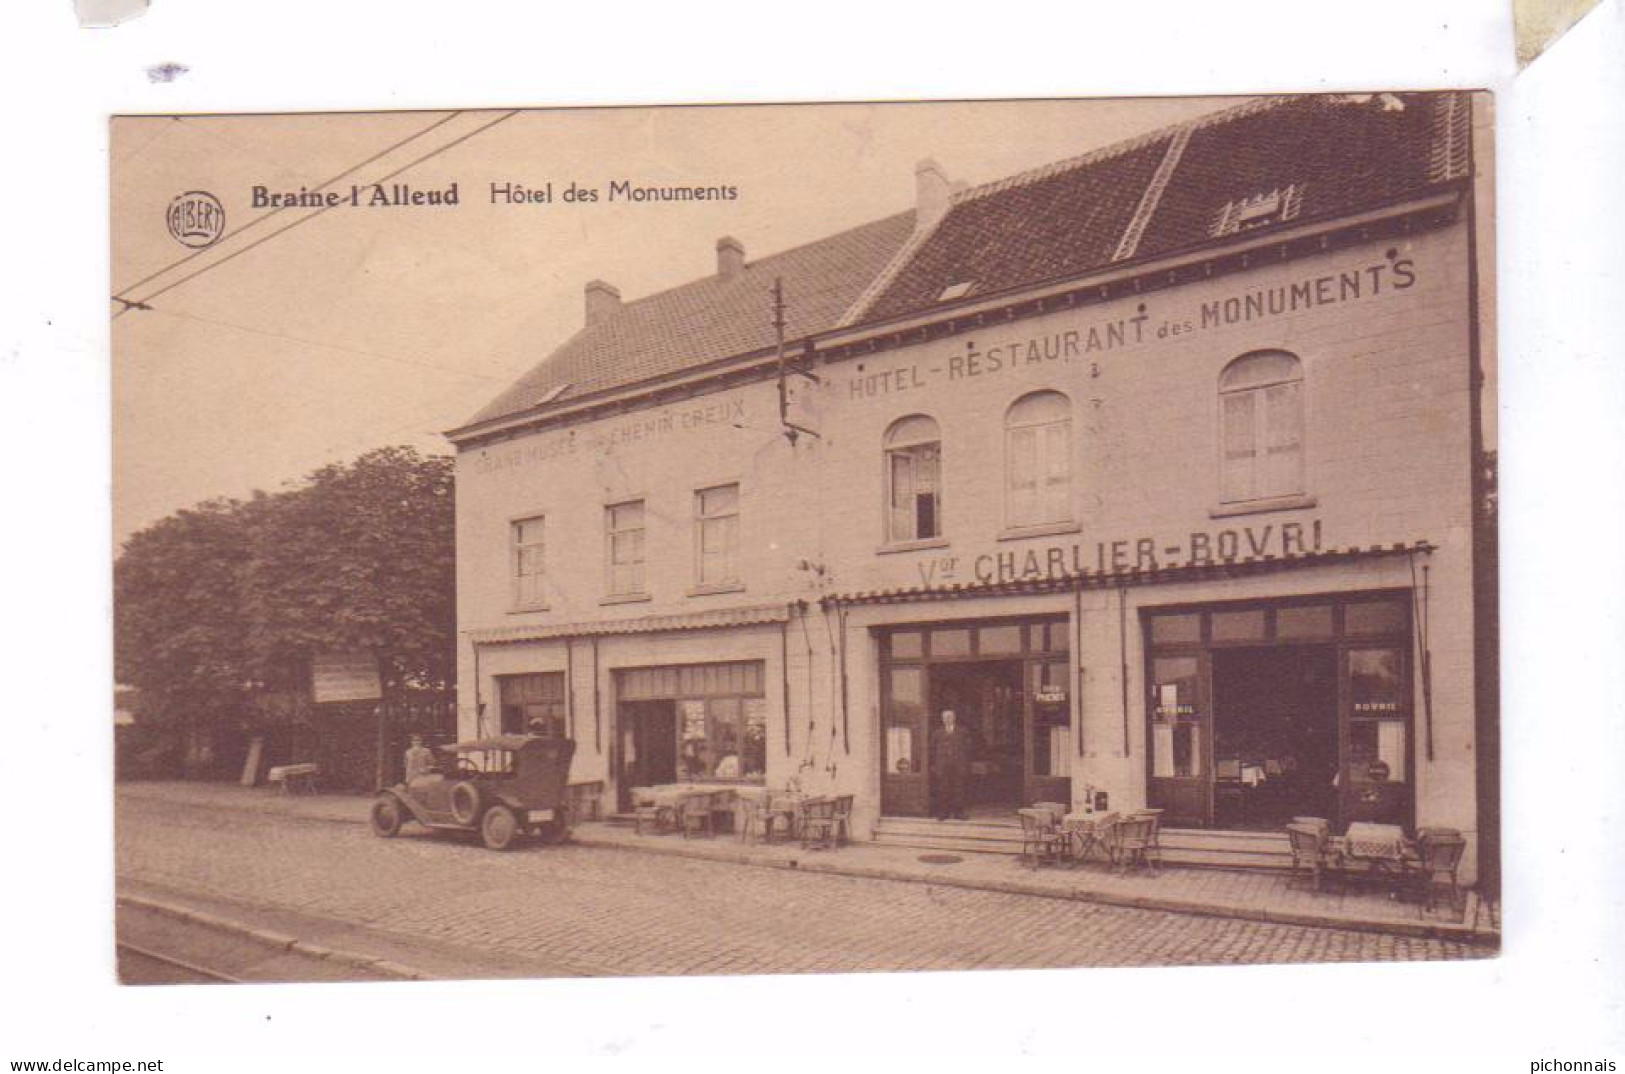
(386,816)
(466,803)
(499,828)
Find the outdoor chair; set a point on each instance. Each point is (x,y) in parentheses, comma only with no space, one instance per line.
(697,814)
(646,809)
(1154,848)
(1132,840)
(1309,850)
(1042,840)
(1057,810)
(818,824)
(1439,857)
(843,819)
(752,819)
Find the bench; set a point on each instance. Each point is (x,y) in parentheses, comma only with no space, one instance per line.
(294,778)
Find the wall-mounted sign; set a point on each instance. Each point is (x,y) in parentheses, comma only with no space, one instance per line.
(345,677)
(1051,694)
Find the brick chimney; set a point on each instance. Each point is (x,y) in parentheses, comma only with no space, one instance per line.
(931,193)
(603,299)
(730,257)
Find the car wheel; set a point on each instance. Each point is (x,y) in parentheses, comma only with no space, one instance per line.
(386,816)
(499,828)
(466,803)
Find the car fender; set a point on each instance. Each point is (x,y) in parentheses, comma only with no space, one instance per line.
(407,803)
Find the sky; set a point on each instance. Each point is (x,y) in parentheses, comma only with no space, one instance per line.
(363,327)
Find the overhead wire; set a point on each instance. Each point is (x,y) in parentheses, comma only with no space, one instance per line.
(306,219)
(118,295)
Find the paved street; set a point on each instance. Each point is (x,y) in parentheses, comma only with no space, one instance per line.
(605,911)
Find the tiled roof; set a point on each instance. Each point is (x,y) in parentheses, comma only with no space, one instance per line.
(1337,154)
(712,318)
(1322,156)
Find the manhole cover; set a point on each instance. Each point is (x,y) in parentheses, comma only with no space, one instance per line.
(941,859)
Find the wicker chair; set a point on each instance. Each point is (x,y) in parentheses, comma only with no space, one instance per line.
(1309,850)
(697,814)
(1042,840)
(818,823)
(647,810)
(1154,849)
(1440,856)
(1133,842)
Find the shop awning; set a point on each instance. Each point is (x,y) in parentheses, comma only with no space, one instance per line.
(1237,567)
(648,624)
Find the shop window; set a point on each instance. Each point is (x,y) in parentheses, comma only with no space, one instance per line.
(913,480)
(999,641)
(952,642)
(716,539)
(1378,716)
(905,717)
(529,577)
(623,524)
(532,704)
(1261,427)
(1239,626)
(907,645)
(1174,629)
(1304,621)
(723,738)
(1038,460)
(1374,617)
(1052,720)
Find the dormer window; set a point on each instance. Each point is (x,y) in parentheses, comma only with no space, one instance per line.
(1258,210)
(956,290)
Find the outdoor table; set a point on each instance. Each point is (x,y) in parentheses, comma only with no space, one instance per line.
(1092,831)
(1381,851)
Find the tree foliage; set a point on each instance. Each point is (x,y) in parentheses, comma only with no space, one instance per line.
(357,558)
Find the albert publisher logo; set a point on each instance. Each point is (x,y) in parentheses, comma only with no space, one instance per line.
(196,219)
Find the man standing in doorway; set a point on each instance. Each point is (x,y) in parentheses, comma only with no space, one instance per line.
(950,765)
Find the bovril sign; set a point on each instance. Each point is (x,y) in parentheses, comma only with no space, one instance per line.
(1062,560)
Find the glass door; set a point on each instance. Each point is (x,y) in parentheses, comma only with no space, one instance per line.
(905,768)
(1376,771)
(1180,740)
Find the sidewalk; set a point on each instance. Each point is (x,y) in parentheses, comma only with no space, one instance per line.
(1257,895)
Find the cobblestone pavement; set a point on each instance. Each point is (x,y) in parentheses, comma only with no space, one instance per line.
(603,911)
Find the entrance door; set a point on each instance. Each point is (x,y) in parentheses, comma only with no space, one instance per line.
(987,701)
(1274,735)
(648,746)
(905,775)
(1180,736)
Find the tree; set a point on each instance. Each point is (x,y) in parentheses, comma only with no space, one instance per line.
(178,631)
(221,601)
(359,559)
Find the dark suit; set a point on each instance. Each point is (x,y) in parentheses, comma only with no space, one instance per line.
(950,767)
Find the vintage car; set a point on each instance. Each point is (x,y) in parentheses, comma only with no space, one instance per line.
(502,787)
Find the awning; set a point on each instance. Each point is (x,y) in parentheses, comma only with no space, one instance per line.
(719,619)
(1237,567)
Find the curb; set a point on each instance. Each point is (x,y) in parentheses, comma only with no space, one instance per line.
(276,941)
(1420,930)
(1467,932)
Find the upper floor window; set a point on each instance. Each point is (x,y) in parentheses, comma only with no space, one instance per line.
(716,538)
(913,479)
(623,524)
(1261,427)
(528,575)
(1038,460)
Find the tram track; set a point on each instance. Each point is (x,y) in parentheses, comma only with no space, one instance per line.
(148,966)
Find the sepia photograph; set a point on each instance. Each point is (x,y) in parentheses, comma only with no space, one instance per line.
(786,539)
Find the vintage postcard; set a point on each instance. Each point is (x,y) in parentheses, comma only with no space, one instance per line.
(805,538)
